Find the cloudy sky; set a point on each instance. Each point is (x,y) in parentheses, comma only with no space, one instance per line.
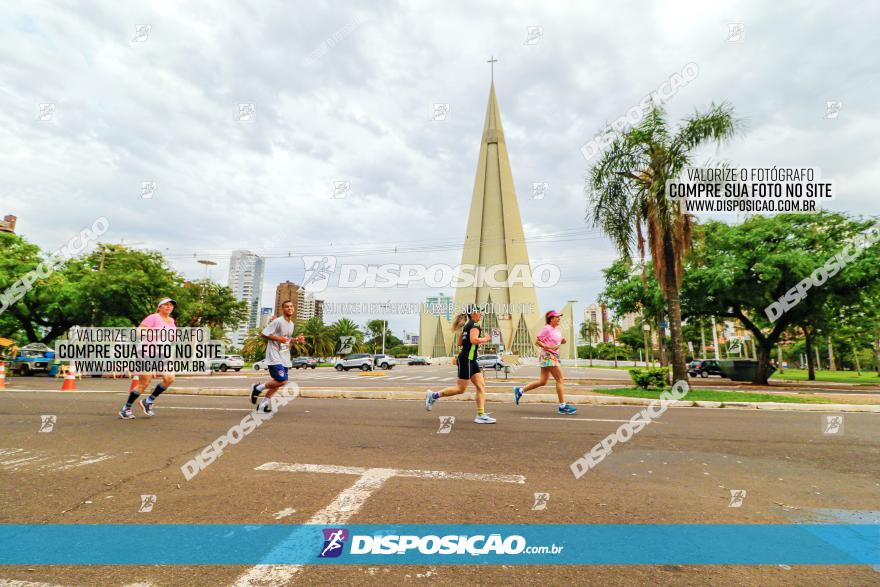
(345,92)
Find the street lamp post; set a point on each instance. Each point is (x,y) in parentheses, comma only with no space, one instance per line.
(207,263)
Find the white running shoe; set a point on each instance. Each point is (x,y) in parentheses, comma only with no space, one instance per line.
(429,400)
(484,419)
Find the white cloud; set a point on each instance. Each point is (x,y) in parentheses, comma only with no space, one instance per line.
(163,110)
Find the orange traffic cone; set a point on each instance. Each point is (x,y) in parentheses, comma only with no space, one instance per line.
(69,379)
(2,375)
(134,383)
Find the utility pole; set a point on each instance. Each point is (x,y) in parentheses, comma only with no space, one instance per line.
(384,328)
(715,339)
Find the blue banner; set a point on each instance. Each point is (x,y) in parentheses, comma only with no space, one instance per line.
(600,544)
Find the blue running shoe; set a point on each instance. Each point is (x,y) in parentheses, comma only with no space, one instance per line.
(517,394)
(429,400)
(567,409)
(147,406)
(125,414)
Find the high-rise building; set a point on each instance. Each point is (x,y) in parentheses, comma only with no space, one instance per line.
(305,308)
(246,281)
(440,305)
(284,292)
(627,321)
(265,316)
(8,223)
(494,236)
(597,314)
(319,310)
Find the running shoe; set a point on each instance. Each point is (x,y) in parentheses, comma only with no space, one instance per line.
(429,400)
(517,394)
(125,414)
(567,409)
(484,419)
(147,407)
(265,407)
(254,393)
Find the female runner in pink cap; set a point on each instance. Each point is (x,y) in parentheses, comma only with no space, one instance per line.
(161,318)
(549,339)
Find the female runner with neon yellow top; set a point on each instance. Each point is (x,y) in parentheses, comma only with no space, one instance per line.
(468,367)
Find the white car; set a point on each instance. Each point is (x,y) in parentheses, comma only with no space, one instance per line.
(361,361)
(491,362)
(226,362)
(384,361)
(260,365)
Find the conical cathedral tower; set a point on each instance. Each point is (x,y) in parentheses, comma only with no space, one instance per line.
(494,241)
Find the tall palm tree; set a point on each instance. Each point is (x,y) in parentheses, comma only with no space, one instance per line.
(627,194)
(318,338)
(346,327)
(589,331)
(253,348)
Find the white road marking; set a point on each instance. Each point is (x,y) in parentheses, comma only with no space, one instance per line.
(284,513)
(344,506)
(578,419)
(25,458)
(85,460)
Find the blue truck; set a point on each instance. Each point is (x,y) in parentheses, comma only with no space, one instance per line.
(33,359)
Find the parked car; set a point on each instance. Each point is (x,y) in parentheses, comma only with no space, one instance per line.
(226,362)
(32,359)
(384,361)
(413,360)
(361,361)
(304,363)
(262,364)
(704,368)
(490,362)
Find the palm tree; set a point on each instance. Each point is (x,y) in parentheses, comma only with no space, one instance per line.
(589,331)
(254,346)
(627,193)
(346,327)
(318,338)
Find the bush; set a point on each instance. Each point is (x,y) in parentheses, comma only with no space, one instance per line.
(651,377)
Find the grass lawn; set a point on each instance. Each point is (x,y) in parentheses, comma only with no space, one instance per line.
(867,377)
(715,395)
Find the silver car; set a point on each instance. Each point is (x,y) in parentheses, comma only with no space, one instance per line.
(490,362)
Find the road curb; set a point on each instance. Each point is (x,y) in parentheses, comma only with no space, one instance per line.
(539,398)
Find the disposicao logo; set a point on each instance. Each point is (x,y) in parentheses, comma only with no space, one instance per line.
(334,541)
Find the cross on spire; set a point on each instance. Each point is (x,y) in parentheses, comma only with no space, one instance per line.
(492,61)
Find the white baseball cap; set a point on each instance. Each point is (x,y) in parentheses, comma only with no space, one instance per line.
(165,301)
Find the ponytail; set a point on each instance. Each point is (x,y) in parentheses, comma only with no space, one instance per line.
(460,320)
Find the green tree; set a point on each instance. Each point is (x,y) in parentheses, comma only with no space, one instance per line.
(589,332)
(627,192)
(738,271)
(207,303)
(346,327)
(319,341)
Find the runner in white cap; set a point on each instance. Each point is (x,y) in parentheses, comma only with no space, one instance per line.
(158,320)
(549,339)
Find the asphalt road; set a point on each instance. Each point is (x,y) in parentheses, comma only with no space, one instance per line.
(431,377)
(94,468)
